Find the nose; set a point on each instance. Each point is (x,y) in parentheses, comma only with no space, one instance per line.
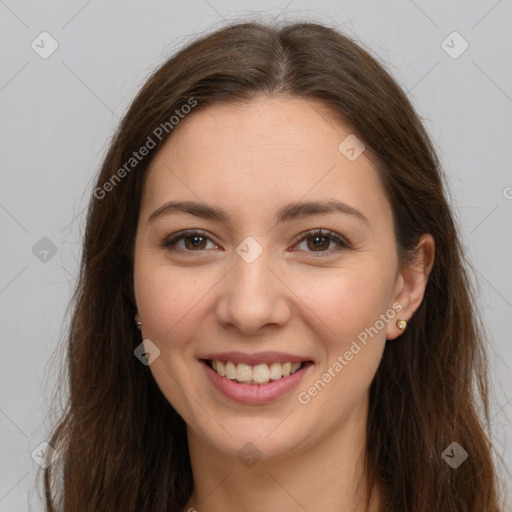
(254,295)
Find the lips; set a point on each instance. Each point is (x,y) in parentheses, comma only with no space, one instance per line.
(255,378)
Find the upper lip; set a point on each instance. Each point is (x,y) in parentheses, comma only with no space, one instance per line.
(256,358)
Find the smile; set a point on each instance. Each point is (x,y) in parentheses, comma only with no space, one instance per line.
(255,375)
(254,379)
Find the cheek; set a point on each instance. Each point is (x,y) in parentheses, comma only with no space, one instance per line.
(174,303)
(170,299)
(346,301)
(352,337)
(171,302)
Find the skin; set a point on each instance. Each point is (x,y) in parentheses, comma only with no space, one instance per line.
(251,159)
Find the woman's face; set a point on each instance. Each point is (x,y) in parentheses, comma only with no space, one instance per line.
(248,292)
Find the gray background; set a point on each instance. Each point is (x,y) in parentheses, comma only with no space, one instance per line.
(57,114)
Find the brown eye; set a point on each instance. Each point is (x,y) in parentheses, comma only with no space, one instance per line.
(319,242)
(194,241)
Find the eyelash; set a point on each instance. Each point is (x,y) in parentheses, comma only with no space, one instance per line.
(342,244)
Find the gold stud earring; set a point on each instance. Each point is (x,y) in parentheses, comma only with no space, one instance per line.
(401,324)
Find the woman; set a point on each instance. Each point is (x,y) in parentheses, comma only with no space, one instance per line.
(272,311)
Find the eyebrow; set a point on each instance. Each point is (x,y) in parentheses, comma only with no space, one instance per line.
(287,213)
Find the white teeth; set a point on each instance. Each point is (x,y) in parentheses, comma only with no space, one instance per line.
(260,373)
(295,367)
(257,374)
(243,372)
(230,370)
(276,371)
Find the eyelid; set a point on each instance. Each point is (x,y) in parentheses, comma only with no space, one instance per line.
(175,237)
(331,235)
(341,241)
(322,232)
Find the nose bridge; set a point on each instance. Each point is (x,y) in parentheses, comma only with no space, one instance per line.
(251,268)
(254,296)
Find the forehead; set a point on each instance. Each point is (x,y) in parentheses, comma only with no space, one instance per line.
(266,151)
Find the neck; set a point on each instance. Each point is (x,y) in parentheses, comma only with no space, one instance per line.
(327,474)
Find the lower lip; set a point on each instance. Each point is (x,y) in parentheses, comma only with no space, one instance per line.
(255,394)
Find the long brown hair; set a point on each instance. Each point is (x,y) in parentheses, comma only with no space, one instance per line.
(122,446)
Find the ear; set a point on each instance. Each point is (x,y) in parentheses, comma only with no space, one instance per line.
(137,317)
(411,283)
